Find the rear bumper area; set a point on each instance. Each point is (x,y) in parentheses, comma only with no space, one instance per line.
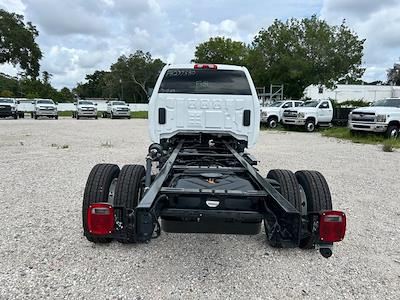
(372,127)
(210,221)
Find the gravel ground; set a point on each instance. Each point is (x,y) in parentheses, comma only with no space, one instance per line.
(44,255)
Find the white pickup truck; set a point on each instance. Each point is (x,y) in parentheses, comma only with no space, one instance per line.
(117,109)
(9,108)
(382,117)
(272,114)
(202,117)
(85,108)
(313,113)
(44,108)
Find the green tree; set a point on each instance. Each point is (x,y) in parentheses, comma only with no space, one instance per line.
(17,43)
(66,95)
(9,83)
(221,50)
(139,68)
(46,76)
(7,94)
(96,86)
(298,53)
(393,75)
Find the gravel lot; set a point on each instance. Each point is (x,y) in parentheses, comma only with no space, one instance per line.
(44,255)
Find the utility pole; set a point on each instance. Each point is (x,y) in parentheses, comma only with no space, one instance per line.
(122,89)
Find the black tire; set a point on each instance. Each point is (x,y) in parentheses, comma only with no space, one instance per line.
(97,190)
(392,132)
(272,122)
(35,116)
(317,198)
(111,115)
(77,117)
(289,189)
(56,117)
(128,192)
(96,117)
(129,117)
(15,116)
(310,126)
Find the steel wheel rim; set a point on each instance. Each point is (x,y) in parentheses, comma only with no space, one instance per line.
(394,133)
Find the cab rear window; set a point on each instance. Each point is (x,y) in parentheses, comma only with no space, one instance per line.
(205,81)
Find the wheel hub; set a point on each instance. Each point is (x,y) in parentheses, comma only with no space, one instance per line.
(394,134)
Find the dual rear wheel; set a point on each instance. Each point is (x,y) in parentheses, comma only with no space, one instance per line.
(307,191)
(108,184)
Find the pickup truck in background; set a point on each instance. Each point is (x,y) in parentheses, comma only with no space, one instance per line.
(382,117)
(316,113)
(117,109)
(44,108)
(85,108)
(9,108)
(272,114)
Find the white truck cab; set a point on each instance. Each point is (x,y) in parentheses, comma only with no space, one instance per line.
(204,98)
(117,109)
(311,114)
(85,108)
(382,117)
(272,114)
(44,108)
(9,108)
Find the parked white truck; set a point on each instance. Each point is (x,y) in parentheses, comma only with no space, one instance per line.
(272,114)
(312,114)
(202,117)
(85,108)
(382,117)
(44,108)
(117,109)
(9,108)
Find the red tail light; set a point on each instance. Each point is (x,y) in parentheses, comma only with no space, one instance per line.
(205,66)
(332,226)
(100,218)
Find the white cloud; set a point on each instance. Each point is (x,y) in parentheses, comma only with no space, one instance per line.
(376,21)
(204,30)
(80,36)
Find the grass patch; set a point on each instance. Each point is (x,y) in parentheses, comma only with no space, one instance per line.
(388,145)
(65,113)
(360,138)
(139,114)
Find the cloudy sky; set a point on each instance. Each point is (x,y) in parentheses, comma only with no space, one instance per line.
(80,36)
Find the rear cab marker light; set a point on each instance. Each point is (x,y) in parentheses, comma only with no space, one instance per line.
(206,66)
